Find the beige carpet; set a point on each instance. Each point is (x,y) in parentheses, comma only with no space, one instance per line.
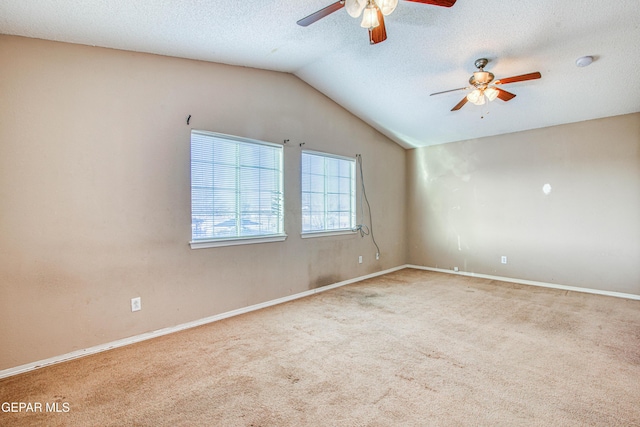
(411,348)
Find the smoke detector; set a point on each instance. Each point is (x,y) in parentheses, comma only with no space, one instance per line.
(584,61)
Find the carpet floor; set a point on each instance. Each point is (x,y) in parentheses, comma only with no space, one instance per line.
(410,348)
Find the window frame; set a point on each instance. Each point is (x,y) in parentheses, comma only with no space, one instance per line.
(210,242)
(353,202)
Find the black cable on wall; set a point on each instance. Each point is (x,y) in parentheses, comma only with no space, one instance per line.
(362,228)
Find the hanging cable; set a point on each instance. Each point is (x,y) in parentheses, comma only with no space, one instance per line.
(361,227)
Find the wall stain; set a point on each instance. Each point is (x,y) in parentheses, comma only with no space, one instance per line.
(323,281)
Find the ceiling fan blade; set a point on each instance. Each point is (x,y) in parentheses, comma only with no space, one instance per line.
(450,90)
(460,104)
(530,76)
(443,3)
(379,33)
(504,95)
(316,16)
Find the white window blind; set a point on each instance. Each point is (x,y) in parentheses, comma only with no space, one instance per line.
(328,193)
(236,188)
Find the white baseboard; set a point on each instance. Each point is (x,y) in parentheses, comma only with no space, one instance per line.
(530,282)
(149,335)
(146,336)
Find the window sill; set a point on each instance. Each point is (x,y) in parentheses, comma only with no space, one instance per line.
(311,235)
(202,244)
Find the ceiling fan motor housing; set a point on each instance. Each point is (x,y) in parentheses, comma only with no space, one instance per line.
(480,79)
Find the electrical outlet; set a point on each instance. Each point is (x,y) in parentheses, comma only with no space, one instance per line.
(503,259)
(455,268)
(377,255)
(136,304)
(360,259)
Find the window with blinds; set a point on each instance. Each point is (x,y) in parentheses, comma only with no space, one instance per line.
(328,193)
(236,190)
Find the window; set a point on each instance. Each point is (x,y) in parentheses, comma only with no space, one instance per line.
(328,193)
(236,190)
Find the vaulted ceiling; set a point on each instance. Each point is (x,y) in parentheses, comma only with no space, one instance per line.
(429,49)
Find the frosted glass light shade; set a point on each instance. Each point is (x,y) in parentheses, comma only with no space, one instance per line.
(476,97)
(491,93)
(355,7)
(370,17)
(387,6)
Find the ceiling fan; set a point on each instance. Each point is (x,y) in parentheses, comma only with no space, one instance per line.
(373,16)
(484,86)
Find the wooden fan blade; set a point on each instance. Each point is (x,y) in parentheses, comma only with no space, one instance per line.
(460,104)
(504,95)
(316,16)
(443,3)
(379,33)
(450,90)
(530,76)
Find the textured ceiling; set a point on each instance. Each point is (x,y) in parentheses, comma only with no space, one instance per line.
(387,85)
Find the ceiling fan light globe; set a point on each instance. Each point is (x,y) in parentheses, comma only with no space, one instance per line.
(355,7)
(370,17)
(491,93)
(387,6)
(476,97)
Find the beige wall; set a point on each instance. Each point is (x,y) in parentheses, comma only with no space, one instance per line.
(95,194)
(95,197)
(471,202)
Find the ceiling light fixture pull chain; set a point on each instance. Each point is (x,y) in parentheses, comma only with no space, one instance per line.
(483,114)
